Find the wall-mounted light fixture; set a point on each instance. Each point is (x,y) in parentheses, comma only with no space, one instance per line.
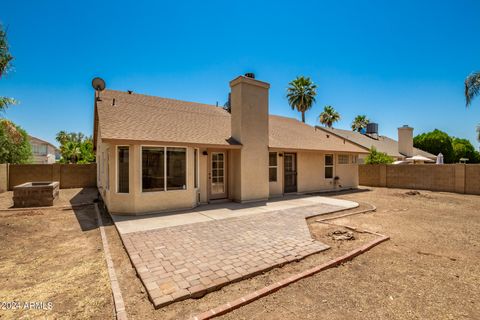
(205,153)
(280,154)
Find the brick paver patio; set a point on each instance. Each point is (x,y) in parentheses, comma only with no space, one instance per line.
(190,260)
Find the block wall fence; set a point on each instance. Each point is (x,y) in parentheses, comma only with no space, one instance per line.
(69,175)
(459,178)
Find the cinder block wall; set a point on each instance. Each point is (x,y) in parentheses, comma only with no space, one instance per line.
(3,177)
(69,175)
(458,178)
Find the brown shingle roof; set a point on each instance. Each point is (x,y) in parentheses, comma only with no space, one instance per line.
(382,144)
(288,133)
(139,117)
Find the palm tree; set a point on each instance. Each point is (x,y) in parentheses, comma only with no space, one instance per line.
(360,122)
(70,151)
(301,94)
(472,87)
(329,116)
(62,137)
(5,60)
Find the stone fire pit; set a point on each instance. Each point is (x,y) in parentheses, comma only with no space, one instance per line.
(35,194)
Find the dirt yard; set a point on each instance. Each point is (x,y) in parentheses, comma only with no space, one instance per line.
(54,258)
(428,270)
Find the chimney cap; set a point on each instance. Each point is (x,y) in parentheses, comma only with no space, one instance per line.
(244,79)
(250,75)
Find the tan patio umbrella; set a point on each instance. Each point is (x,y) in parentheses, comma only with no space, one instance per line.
(421,159)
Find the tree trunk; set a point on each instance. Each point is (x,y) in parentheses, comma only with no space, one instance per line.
(303,116)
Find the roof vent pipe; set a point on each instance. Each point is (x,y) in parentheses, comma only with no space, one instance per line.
(129,91)
(113,102)
(250,75)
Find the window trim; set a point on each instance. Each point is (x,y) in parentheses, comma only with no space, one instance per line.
(330,165)
(271,167)
(116,169)
(187,187)
(196,164)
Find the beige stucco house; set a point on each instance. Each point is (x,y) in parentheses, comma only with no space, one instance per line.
(156,154)
(43,151)
(399,150)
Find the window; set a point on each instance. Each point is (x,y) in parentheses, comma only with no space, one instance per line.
(272,166)
(343,159)
(40,149)
(123,174)
(164,169)
(195,167)
(176,168)
(153,168)
(329,166)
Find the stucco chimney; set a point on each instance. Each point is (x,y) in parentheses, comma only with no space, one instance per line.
(249,122)
(405,141)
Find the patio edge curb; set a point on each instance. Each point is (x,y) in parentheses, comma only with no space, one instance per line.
(119,304)
(253,296)
(235,304)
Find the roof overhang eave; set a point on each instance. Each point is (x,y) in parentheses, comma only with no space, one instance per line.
(171,143)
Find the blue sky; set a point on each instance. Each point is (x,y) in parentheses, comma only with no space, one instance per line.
(398,62)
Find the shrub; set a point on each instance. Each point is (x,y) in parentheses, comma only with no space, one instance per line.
(376,157)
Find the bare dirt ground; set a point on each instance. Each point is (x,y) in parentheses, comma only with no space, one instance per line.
(55,256)
(428,270)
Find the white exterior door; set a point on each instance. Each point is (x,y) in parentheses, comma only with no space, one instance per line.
(218,176)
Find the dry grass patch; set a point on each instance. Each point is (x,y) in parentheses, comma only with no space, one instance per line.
(47,257)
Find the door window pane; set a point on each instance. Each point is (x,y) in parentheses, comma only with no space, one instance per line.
(272,173)
(272,166)
(123,174)
(153,167)
(176,168)
(328,172)
(328,166)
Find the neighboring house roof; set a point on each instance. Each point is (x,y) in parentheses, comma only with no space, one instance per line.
(36,140)
(382,144)
(136,117)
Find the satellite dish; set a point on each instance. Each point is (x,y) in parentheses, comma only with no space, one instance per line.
(98,84)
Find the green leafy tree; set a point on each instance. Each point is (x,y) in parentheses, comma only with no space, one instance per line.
(329,116)
(301,94)
(376,157)
(14,148)
(360,122)
(75,147)
(436,142)
(463,148)
(5,66)
(472,87)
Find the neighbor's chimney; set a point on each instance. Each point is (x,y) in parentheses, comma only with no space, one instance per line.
(405,141)
(249,123)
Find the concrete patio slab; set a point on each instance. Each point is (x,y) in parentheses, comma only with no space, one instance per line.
(229,244)
(224,210)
